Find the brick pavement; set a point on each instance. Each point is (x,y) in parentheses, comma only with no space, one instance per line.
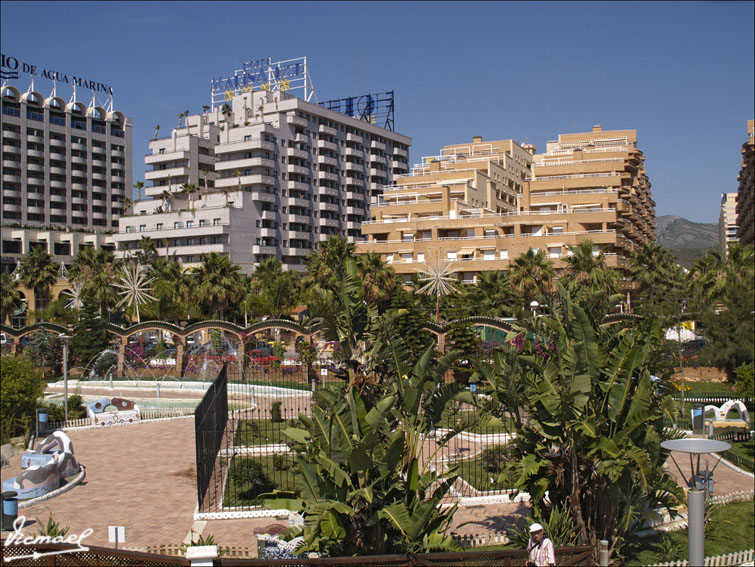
(142,477)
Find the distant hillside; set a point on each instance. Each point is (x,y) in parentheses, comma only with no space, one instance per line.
(686,239)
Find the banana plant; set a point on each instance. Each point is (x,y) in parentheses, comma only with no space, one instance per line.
(367,482)
(593,428)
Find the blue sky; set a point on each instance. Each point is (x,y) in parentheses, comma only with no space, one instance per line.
(680,73)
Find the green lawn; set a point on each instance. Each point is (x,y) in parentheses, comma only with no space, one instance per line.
(261,432)
(479,471)
(249,477)
(732,528)
(472,423)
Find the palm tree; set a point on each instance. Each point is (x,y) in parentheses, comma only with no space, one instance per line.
(272,291)
(189,189)
(148,249)
(709,277)
(166,197)
(139,185)
(227,114)
(157,131)
(205,171)
(38,272)
(325,263)
(186,115)
(180,119)
(216,284)
(171,288)
(11,298)
(378,278)
(491,295)
(97,270)
(531,275)
(588,271)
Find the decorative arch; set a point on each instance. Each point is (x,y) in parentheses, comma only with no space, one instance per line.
(56,103)
(33,97)
(76,108)
(737,405)
(11,92)
(117,116)
(97,112)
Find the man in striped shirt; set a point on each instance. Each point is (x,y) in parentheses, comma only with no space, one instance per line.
(540,548)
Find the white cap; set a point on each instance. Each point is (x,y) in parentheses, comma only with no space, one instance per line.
(536,528)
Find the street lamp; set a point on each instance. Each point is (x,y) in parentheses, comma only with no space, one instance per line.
(534,305)
(696,492)
(65,373)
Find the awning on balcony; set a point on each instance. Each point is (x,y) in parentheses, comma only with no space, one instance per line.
(466,251)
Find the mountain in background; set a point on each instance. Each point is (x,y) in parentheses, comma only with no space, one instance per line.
(687,240)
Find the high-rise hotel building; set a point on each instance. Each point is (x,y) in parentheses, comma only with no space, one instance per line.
(481,205)
(727,223)
(66,169)
(266,175)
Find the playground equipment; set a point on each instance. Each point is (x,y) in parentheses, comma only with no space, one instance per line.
(106,411)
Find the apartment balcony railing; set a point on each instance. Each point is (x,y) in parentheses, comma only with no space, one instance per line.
(512,214)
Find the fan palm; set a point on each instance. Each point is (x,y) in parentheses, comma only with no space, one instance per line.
(378,278)
(216,284)
(531,275)
(38,272)
(96,269)
(11,298)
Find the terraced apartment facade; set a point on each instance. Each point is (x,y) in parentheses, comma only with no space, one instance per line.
(479,206)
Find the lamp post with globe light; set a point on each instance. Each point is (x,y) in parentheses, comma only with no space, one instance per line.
(696,489)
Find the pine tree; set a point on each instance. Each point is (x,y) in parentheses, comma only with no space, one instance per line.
(90,336)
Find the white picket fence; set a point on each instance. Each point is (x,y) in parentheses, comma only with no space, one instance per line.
(147,414)
(736,558)
(482,540)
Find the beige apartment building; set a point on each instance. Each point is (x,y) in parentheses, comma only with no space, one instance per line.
(746,191)
(481,205)
(727,223)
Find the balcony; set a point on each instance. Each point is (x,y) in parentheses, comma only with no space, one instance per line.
(240,164)
(299,219)
(117,153)
(296,251)
(233,182)
(29,166)
(299,186)
(327,175)
(78,146)
(79,186)
(351,166)
(295,202)
(375,145)
(353,152)
(354,211)
(11,135)
(329,222)
(55,183)
(79,160)
(31,153)
(58,170)
(298,169)
(328,130)
(102,216)
(269,215)
(327,145)
(15,151)
(151,159)
(325,160)
(164,173)
(399,152)
(301,138)
(34,139)
(99,176)
(240,146)
(293,152)
(298,235)
(354,196)
(99,161)
(263,196)
(327,207)
(351,225)
(268,232)
(12,164)
(12,207)
(293,120)
(354,138)
(11,193)
(329,191)
(267,250)
(10,178)
(79,200)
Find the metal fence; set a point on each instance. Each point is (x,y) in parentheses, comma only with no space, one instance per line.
(254,455)
(210,423)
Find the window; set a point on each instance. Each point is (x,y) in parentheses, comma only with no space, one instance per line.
(129,229)
(177,224)
(189,224)
(215,222)
(189,242)
(248,138)
(452,255)
(159,226)
(202,222)
(504,254)
(161,151)
(142,228)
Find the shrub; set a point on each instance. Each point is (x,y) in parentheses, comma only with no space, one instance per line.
(250,479)
(275,412)
(20,387)
(281,462)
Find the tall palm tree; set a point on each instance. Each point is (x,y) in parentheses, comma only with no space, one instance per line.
(148,249)
(166,197)
(378,278)
(588,271)
(227,113)
(709,277)
(139,185)
(531,275)
(38,272)
(157,131)
(272,291)
(171,288)
(216,284)
(11,298)
(189,189)
(491,295)
(97,270)
(325,263)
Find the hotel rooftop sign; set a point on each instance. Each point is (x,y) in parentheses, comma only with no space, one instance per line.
(11,69)
(263,74)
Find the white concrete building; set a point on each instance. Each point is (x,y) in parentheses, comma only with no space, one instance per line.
(65,167)
(267,175)
(727,223)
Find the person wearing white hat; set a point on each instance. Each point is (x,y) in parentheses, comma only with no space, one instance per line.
(540,551)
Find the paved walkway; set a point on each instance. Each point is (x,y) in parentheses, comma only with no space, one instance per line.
(142,477)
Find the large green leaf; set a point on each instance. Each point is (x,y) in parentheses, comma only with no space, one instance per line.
(332,527)
(398,515)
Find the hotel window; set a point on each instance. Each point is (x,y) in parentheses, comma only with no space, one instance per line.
(248,138)
(504,254)
(189,224)
(159,226)
(215,222)
(488,254)
(178,224)
(189,242)
(452,256)
(202,222)
(129,229)
(142,228)
(189,258)
(554,251)
(161,151)
(420,257)
(557,230)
